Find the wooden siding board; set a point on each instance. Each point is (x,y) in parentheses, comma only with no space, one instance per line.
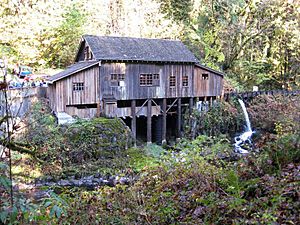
(211,87)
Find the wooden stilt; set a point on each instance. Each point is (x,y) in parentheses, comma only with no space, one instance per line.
(133,121)
(179,117)
(98,109)
(191,105)
(149,120)
(164,121)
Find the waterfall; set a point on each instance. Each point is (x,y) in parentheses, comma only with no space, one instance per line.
(248,124)
(243,141)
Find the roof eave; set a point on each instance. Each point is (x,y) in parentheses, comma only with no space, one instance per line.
(210,69)
(76,71)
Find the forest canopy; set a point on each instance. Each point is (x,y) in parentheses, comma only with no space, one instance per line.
(255,42)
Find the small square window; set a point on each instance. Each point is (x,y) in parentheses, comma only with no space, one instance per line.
(204,76)
(115,79)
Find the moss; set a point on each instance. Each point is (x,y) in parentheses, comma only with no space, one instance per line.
(87,145)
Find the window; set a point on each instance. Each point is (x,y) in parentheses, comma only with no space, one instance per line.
(204,76)
(117,79)
(78,86)
(149,79)
(87,53)
(185,81)
(172,81)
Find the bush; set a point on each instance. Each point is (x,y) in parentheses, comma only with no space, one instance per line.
(266,111)
(223,118)
(87,146)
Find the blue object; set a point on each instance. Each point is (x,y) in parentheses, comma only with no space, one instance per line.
(24,71)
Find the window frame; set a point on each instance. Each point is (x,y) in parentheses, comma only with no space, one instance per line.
(115,79)
(172,81)
(185,81)
(149,79)
(205,76)
(87,53)
(78,86)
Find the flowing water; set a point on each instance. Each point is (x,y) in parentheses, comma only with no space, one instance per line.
(243,141)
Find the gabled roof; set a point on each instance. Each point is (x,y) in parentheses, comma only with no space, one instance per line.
(139,49)
(77,67)
(210,69)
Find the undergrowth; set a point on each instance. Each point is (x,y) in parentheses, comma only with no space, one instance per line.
(195,182)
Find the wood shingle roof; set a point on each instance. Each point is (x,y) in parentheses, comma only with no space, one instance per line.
(72,69)
(139,49)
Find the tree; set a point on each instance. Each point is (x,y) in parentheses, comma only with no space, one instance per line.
(59,44)
(254,42)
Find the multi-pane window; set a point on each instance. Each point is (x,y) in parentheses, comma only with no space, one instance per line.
(204,76)
(172,81)
(78,86)
(149,79)
(185,81)
(117,79)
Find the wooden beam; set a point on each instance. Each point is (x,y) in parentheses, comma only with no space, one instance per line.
(149,120)
(133,121)
(142,107)
(172,105)
(179,117)
(164,121)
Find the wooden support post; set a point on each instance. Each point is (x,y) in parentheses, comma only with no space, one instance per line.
(149,125)
(98,109)
(191,105)
(179,117)
(164,121)
(133,121)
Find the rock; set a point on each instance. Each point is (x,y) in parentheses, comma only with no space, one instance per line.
(112,181)
(105,182)
(97,175)
(198,212)
(124,181)
(64,183)
(48,179)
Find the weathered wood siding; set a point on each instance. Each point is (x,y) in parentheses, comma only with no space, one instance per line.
(207,87)
(64,99)
(81,56)
(132,88)
(84,103)
(51,94)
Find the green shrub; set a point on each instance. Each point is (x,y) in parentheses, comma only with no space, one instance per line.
(281,152)
(223,118)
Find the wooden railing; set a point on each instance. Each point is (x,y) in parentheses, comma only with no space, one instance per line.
(249,95)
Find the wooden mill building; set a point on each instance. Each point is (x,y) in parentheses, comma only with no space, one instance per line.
(147,82)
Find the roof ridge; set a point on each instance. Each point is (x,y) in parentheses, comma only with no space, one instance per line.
(143,38)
